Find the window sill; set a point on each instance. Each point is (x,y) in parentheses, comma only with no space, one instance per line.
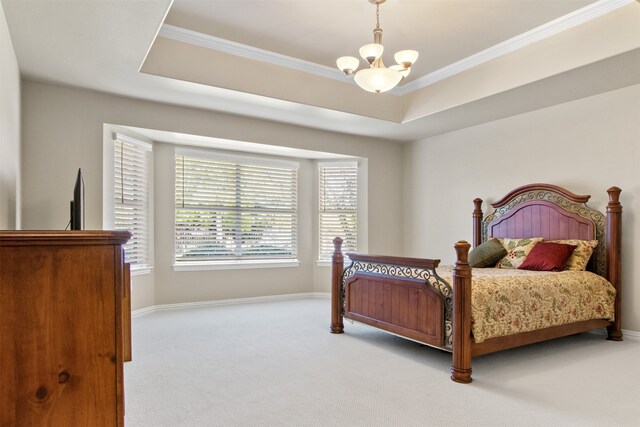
(328,262)
(139,271)
(235,265)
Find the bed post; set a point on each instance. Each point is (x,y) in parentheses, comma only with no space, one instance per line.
(614,266)
(337,266)
(461,367)
(477,222)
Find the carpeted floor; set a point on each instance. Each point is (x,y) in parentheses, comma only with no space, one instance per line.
(276,364)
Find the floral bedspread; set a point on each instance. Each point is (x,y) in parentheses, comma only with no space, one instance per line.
(511,301)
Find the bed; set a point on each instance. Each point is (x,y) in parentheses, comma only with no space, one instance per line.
(418,300)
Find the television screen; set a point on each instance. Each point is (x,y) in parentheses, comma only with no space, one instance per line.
(77,204)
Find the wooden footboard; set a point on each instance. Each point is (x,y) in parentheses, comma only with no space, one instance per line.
(402,306)
(403,296)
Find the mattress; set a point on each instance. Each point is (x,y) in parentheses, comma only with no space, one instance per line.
(511,301)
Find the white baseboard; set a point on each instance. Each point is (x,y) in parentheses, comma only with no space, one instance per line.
(632,335)
(143,311)
(322,295)
(234,301)
(626,334)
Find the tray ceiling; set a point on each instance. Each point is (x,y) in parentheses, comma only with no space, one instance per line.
(477,58)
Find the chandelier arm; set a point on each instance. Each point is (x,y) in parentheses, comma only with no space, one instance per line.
(378,63)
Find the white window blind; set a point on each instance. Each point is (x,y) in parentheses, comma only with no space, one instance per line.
(232,208)
(131,197)
(338,206)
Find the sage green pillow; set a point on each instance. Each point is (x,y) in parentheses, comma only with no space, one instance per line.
(487,254)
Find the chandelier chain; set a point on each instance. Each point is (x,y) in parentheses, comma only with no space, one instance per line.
(377,15)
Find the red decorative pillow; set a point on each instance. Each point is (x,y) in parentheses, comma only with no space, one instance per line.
(547,257)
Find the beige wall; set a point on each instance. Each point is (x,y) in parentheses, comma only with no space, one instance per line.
(586,145)
(9,131)
(63,130)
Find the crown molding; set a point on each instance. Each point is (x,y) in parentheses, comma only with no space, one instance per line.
(245,51)
(580,16)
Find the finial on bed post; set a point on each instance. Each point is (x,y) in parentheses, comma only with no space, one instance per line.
(337,266)
(613,245)
(461,366)
(477,222)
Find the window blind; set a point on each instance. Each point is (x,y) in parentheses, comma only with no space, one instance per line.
(338,207)
(131,197)
(230,209)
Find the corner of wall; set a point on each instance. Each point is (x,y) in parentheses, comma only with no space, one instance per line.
(10,134)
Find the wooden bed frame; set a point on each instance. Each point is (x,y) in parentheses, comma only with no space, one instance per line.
(406,297)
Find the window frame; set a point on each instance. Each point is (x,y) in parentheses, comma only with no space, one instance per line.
(323,262)
(236,263)
(109,203)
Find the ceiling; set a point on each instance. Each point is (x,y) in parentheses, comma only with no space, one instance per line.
(274,60)
(321,31)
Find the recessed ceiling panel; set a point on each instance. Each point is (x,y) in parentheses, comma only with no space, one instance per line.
(320,31)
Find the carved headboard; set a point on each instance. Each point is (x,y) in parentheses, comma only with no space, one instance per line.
(547,211)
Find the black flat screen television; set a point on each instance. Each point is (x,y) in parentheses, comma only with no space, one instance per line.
(77,204)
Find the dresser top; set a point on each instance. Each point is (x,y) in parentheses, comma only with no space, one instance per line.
(58,237)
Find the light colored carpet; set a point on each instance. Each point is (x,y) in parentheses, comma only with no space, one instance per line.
(276,364)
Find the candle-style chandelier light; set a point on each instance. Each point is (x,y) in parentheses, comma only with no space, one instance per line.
(377,78)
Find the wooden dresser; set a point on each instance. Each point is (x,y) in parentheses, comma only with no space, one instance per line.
(64,328)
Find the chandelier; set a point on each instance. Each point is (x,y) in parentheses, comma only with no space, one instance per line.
(377,78)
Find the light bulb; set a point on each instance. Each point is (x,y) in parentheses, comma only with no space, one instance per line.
(347,64)
(371,52)
(404,72)
(377,79)
(406,58)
